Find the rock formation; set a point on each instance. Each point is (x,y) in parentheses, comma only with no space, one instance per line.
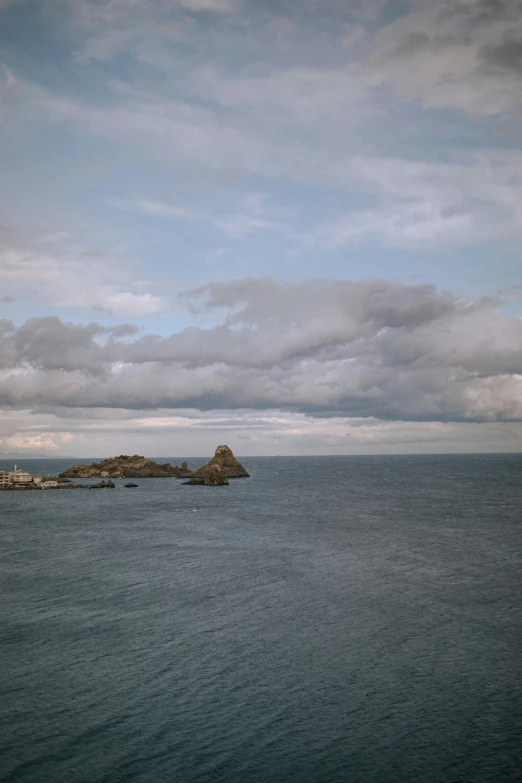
(138,467)
(183,470)
(226,462)
(214,477)
(102,485)
(127,467)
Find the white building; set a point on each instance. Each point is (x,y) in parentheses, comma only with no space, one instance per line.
(19,476)
(48,484)
(4,478)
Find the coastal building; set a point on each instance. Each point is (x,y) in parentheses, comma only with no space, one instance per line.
(19,476)
(4,478)
(48,484)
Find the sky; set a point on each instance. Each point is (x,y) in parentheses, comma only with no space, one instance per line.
(293,227)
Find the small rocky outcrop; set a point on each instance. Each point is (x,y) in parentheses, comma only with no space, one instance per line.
(215,477)
(104,485)
(130,484)
(224,461)
(183,471)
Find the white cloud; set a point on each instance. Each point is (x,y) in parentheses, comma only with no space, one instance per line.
(258,215)
(129,304)
(118,25)
(478,197)
(308,96)
(239,226)
(154,208)
(425,204)
(73,277)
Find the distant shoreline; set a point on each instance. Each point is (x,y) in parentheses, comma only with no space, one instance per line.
(38,488)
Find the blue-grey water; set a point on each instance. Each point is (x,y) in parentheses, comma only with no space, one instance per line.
(329,619)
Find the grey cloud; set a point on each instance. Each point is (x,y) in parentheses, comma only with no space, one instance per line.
(7,299)
(506,55)
(454,54)
(48,344)
(322,347)
(412,43)
(123,330)
(470,16)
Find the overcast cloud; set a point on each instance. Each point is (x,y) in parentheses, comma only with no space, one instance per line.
(297,226)
(326,348)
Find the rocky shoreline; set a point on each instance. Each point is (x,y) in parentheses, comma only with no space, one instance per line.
(38,488)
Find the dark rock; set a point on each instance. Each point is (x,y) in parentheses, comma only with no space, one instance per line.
(130,484)
(225,461)
(183,471)
(214,477)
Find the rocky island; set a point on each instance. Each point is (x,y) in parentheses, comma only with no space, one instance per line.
(127,467)
(216,472)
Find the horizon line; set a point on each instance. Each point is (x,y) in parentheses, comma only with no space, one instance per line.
(16,455)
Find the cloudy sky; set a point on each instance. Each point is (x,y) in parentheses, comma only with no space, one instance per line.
(293,226)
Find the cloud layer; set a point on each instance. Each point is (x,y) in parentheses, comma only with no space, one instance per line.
(309,114)
(325,348)
(158,146)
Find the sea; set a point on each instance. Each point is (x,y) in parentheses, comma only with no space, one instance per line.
(330,619)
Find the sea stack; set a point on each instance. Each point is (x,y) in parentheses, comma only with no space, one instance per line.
(226,463)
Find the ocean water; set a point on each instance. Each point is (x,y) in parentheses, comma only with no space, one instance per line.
(330,619)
